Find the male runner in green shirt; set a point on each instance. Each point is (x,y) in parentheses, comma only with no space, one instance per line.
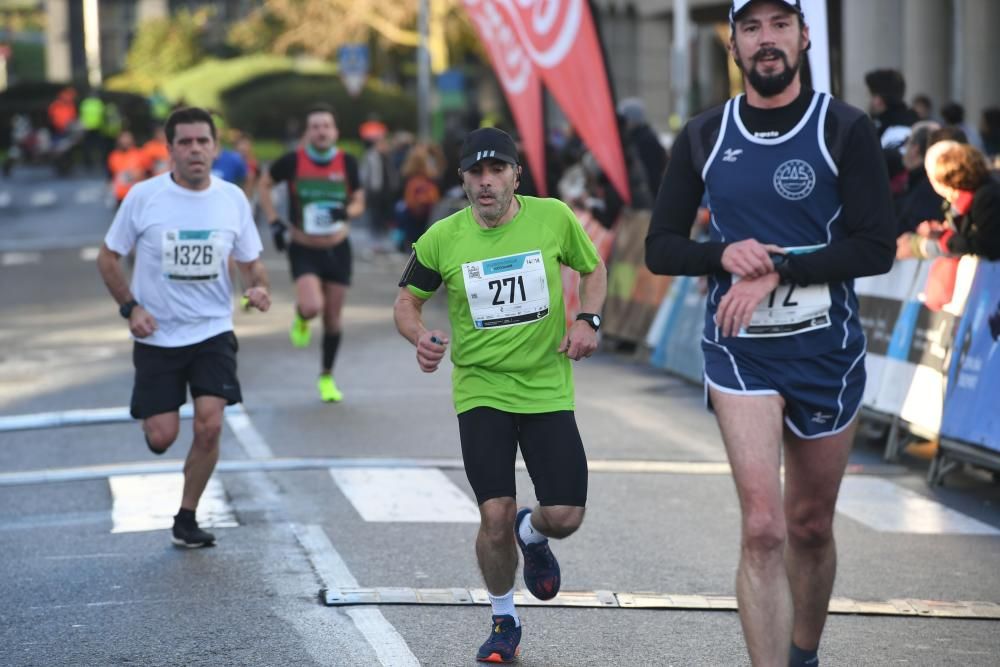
(500,261)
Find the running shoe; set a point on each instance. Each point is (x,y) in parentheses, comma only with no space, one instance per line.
(328,392)
(190,535)
(503,641)
(541,569)
(299,334)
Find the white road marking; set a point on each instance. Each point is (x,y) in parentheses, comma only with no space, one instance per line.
(89,254)
(5,199)
(149,502)
(389,645)
(247,434)
(405,495)
(24,422)
(888,507)
(90,195)
(42,198)
(19,258)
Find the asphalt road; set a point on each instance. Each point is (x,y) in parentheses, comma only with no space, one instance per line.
(313,495)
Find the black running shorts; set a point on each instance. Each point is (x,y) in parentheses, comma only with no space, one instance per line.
(550,445)
(331,265)
(163,374)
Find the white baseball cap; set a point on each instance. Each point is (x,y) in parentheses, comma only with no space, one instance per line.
(739,5)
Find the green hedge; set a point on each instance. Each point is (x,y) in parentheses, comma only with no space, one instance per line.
(205,84)
(264,105)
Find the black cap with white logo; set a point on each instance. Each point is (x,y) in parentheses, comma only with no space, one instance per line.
(739,5)
(487,143)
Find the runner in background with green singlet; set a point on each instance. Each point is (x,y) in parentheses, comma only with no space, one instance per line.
(500,260)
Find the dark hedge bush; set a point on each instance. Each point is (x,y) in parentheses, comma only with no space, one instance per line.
(265,105)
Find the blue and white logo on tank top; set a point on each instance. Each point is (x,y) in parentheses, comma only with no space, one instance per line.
(794,179)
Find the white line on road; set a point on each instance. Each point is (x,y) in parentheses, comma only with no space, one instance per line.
(5,199)
(389,645)
(417,495)
(887,507)
(42,198)
(20,258)
(90,195)
(147,502)
(89,254)
(85,417)
(247,434)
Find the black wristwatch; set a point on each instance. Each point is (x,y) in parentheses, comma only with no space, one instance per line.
(780,262)
(592,319)
(125,310)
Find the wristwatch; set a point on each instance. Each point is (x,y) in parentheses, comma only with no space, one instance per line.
(592,319)
(125,310)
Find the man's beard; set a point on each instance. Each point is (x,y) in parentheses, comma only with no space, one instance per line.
(492,215)
(773,84)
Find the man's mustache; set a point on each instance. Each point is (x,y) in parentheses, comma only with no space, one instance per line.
(769,52)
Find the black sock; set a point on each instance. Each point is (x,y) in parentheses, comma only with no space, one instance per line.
(330,344)
(185,516)
(798,657)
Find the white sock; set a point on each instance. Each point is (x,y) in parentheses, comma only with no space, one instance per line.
(503,605)
(528,533)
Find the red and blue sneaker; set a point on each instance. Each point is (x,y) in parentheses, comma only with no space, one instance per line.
(541,569)
(503,641)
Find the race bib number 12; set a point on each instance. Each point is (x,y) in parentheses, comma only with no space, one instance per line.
(507,291)
(791,309)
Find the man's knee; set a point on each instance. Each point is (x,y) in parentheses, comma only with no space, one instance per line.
(208,429)
(561,520)
(764,533)
(160,433)
(497,519)
(811,528)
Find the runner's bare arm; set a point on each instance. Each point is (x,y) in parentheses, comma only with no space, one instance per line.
(264,192)
(430,344)
(581,339)
(141,323)
(258,294)
(356,205)
(108,263)
(594,288)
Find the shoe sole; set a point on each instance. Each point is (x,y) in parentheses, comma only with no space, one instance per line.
(189,545)
(496,657)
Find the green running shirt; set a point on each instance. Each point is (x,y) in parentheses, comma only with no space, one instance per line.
(505,303)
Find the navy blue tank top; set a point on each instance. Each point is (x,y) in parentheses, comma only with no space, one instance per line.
(783,191)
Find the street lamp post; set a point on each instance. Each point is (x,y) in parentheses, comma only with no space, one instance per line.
(423,76)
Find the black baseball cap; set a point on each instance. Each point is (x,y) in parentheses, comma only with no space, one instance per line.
(487,143)
(739,5)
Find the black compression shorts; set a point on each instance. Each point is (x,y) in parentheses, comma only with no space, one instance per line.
(550,444)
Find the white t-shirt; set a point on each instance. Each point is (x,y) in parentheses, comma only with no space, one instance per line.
(183,239)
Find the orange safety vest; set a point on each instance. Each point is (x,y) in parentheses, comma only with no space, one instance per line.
(127,168)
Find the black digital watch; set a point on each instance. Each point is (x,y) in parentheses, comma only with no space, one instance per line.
(125,310)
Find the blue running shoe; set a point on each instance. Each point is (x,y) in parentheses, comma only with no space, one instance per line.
(541,569)
(503,641)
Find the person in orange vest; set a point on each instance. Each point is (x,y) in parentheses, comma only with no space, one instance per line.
(156,153)
(62,111)
(127,165)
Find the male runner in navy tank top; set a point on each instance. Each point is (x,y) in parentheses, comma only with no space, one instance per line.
(800,206)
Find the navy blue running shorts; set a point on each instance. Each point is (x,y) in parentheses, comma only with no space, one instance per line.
(822,393)
(550,445)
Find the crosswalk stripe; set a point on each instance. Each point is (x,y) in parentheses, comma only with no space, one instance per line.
(89,254)
(148,502)
(889,508)
(405,495)
(42,198)
(20,258)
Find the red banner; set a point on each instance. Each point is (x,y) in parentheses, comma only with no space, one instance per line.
(518,79)
(560,40)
